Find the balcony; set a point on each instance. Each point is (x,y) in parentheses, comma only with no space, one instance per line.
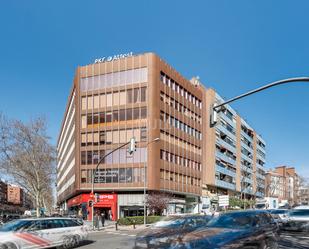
(226,119)
(247,147)
(246,169)
(225,171)
(258,156)
(226,145)
(246,136)
(260,166)
(247,180)
(246,158)
(225,158)
(258,175)
(226,185)
(226,131)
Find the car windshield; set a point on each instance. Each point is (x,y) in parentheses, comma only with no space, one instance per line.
(15,225)
(170,223)
(299,212)
(237,220)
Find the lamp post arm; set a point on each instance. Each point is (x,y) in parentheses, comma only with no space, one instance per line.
(276,83)
(101,160)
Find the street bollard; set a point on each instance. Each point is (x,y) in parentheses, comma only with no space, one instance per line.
(116,225)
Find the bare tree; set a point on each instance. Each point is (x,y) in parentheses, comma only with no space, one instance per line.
(27,156)
(158,201)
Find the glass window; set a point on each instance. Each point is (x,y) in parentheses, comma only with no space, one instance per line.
(109,137)
(122,98)
(143,112)
(109,99)
(90,102)
(83,138)
(143,134)
(122,115)
(130,96)
(89,157)
(115,116)
(122,136)
(84,103)
(83,157)
(143,94)
(96,118)
(95,138)
(89,139)
(102,100)
(129,114)
(102,137)
(115,137)
(102,117)
(129,175)
(84,122)
(96,101)
(136,114)
(108,117)
(116,98)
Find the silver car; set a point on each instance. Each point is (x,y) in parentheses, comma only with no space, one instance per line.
(42,233)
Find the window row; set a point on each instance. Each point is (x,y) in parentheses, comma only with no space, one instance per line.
(260,143)
(227,113)
(166,80)
(261,153)
(246,152)
(225,152)
(113,137)
(227,126)
(129,96)
(122,78)
(180,107)
(180,125)
(247,131)
(246,141)
(121,175)
(225,138)
(118,157)
(260,162)
(114,116)
(225,165)
(172,158)
(179,178)
(180,142)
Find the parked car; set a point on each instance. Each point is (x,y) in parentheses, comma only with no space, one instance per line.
(237,229)
(42,233)
(297,221)
(279,215)
(162,233)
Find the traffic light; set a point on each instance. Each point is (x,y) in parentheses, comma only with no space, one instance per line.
(213,116)
(132,146)
(90,203)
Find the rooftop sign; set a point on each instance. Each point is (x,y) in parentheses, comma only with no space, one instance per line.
(114,57)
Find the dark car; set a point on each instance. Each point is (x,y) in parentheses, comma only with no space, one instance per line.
(297,221)
(279,215)
(162,233)
(239,229)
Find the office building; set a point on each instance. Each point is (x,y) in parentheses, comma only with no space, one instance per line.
(120,97)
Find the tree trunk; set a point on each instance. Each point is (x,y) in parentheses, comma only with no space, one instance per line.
(37,202)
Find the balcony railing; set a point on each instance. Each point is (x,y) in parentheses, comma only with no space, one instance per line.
(226,145)
(226,131)
(225,158)
(246,158)
(248,180)
(225,171)
(224,184)
(226,119)
(246,136)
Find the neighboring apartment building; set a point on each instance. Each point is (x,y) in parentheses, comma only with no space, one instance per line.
(304,195)
(283,182)
(235,155)
(119,97)
(14,194)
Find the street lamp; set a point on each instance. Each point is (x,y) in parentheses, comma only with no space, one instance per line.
(131,150)
(145,178)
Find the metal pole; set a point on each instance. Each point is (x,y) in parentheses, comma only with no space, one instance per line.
(276,83)
(93,176)
(145,178)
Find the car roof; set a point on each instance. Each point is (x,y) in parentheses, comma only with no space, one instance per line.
(49,218)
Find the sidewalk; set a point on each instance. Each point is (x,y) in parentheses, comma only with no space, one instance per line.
(112,227)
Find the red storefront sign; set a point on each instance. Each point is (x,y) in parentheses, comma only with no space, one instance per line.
(104,201)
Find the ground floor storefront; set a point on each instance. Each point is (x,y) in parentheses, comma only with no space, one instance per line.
(119,205)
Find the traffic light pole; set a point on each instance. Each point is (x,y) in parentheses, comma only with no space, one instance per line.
(215,109)
(95,172)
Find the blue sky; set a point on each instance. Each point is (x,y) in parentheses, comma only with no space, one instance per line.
(234,46)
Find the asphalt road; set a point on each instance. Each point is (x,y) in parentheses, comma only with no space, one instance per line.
(125,240)
(110,240)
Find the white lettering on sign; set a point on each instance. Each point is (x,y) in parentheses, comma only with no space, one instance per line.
(112,58)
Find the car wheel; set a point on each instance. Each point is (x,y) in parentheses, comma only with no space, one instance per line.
(68,242)
(76,239)
(3,246)
(10,246)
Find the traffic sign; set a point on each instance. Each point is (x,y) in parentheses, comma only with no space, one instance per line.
(224,200)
